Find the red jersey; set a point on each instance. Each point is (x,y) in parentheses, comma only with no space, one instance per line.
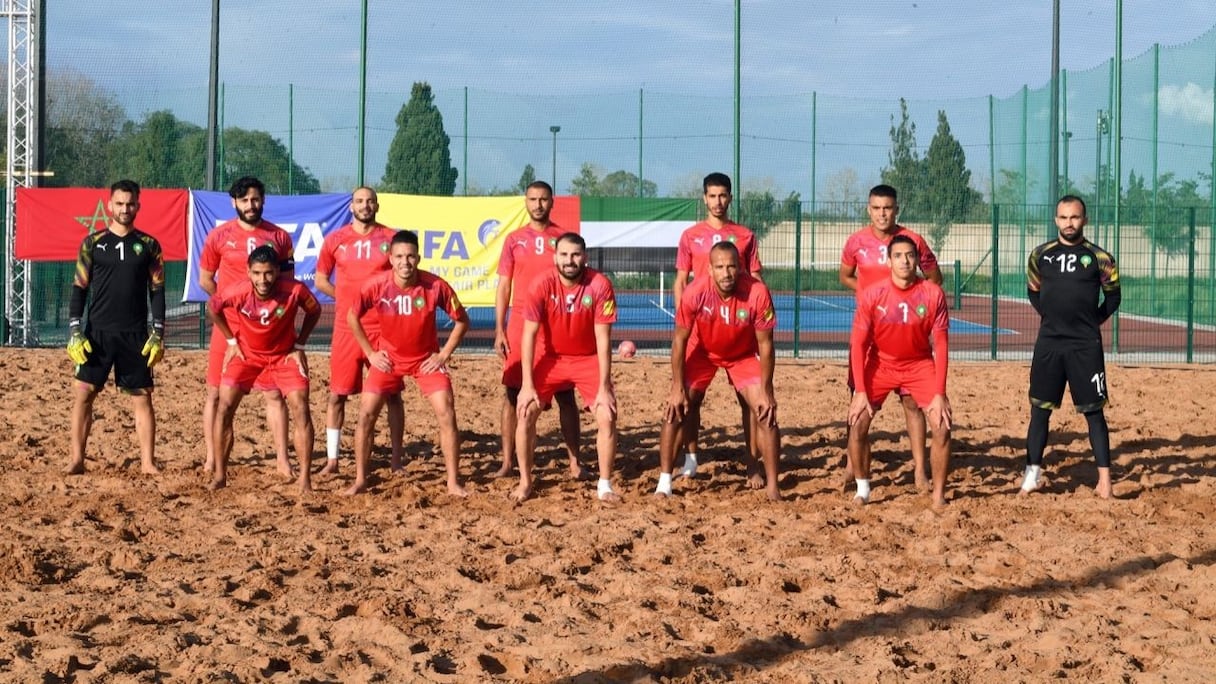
(868,254)
(226,250)
(692,254)
(894,327)
(265,327)
(353,259)
(568,315)
(726,326)
(527,254)
(407,314)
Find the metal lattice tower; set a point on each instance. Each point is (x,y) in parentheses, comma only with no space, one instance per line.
(21,162)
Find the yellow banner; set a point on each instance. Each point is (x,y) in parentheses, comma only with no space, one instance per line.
(459,238)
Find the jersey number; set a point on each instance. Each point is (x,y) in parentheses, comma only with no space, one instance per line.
(1068,262)
(405,305)
(539,244)
(363,249)
(903,307)
(264,315)
(569,300)
(1099,381)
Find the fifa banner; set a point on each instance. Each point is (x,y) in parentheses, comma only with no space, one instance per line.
(52,222)
(460,238)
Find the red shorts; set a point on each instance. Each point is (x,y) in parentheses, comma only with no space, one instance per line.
(554,374)
(215,363)
(513,366)
(347,362)
(853,386)
(379,382)
(699,370)
(918,378)
(265,373)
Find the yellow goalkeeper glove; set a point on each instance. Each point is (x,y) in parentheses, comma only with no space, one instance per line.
(79,347)
(154,349)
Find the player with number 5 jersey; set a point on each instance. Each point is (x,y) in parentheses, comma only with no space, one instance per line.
(1074,286)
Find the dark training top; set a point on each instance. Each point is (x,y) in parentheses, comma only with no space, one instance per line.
(118,274)
(1063,282)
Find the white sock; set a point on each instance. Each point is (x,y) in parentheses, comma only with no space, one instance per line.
(863,490)
(690,464)
(1030,480)
(603,487)
(332,437)
(664,484)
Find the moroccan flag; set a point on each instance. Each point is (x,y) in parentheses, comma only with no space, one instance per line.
(51,222)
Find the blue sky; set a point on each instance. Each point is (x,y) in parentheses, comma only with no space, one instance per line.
(581,62)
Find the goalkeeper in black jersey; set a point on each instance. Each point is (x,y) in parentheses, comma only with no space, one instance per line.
(1074,285)
(120,274)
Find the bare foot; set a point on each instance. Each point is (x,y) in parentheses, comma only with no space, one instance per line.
(521,493)
(455,489)
(76,468)
(860,501)
(218,483)
(331,467)
(149,469)
(504,471)
(305,486)
(846,474)
(609,497)
(1104,490)
(358,487)
(939,504)
(755,476)
(774,494)
(395,464)
(209,465)
(286,470)
(923,484)
(578,472)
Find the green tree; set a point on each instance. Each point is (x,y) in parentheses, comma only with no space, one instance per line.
(419,159)
(621,183)
(528,177)
(761,210)
(161,152)
(946,195)
(587,183)
(257,153)
(83,122)
(904,170)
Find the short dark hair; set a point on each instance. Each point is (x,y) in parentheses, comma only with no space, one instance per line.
(903,240)
(539,185)
(125,185)
(240,187)
(404,237)
(1074,198)
(725,246)
(884,190)
(574,238)
(264,255)
(716,179)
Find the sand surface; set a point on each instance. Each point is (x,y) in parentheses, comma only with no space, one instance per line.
(115,576)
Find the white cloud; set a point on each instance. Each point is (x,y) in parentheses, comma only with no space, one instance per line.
(1191,102)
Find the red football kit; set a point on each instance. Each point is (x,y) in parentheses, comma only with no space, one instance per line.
(890,348)
(349,260)
(868,254)
(527,254)
(407,329)
(692,252)
(726,330)
(265,331)
(567,316)
(226,253)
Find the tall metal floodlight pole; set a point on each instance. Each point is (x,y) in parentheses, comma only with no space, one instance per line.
(213,81)
(738,42)
(1053,153)
(554,130)
(362,94)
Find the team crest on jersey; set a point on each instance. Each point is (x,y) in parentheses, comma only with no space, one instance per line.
(384,248)
(730,239)
(1086,260)
(279,311)
(553,243)
(419,302)
(138,248)
(586,301)
(609,307)
(741,314)
(921,310)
